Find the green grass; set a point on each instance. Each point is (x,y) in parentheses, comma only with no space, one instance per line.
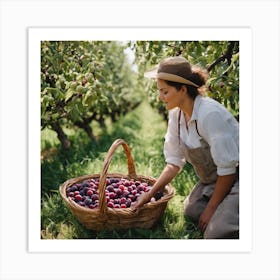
(143,129)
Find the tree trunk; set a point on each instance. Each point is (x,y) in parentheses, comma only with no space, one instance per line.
(65,142)
(87,129)
(101,122)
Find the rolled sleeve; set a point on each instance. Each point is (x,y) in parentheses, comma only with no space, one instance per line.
(225,154)
(173,151)
(222,135)
(173,154)
(221,171)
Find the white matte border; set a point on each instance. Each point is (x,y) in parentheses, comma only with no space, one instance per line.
(243,35)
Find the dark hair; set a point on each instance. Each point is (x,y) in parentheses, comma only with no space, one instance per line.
(198,76)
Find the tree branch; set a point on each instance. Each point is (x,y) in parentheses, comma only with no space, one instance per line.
(227,56)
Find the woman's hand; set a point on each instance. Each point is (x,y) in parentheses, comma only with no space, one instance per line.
(142,199)
(205,217)
(168,173)
(222,188)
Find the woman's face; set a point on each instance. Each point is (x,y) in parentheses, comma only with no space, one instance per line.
(170,95)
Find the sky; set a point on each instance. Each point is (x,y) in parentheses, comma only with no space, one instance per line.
(131,56)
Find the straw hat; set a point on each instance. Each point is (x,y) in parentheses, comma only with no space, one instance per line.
(174,69)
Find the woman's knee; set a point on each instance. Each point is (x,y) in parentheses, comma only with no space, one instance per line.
(221,230)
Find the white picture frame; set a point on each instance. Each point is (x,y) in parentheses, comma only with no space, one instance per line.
(22,258)
(243,35)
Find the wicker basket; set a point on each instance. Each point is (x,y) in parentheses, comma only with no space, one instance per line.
(103,217)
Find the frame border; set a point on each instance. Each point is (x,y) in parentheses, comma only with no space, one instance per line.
(241,34)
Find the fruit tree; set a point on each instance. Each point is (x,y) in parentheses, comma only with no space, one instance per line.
(220,58)
(82,81)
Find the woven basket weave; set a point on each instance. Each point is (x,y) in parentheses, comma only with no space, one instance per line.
(103,217)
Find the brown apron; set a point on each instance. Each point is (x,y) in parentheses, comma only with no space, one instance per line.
(224,223)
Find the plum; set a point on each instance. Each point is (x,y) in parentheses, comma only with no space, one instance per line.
(81,203)
(78,197)
(84,185)
(131,197)
(94,197)
(110,188)
(126,193)
(73,188)
(118,192)
(92,185)
(90,192)
(112,181)
(158,195)
(87,201)
(127,183)
(123,200)
(128,202)
(110,204)
(112,195)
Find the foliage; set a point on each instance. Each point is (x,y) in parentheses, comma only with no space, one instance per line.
(82,81)
(220,58)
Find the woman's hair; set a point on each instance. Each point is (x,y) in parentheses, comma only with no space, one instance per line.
(198,76)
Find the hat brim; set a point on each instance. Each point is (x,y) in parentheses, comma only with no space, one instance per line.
(152,73)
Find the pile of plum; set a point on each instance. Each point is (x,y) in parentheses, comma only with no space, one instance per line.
(119,192)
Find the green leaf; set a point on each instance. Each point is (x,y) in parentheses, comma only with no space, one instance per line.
(69,94)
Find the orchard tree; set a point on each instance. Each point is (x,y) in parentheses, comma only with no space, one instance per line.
(220,58)
(82,81)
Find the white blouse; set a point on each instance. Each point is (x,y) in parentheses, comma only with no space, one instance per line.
(215,124)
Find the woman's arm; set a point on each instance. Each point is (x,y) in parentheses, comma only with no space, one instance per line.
(166,176)
(222,188)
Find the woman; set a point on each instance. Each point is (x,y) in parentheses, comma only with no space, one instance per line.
(202,132)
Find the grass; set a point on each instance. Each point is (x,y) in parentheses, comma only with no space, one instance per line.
(143,129)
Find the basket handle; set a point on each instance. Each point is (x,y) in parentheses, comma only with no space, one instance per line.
(103,176)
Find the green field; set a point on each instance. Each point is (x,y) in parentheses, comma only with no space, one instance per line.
(143,129)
